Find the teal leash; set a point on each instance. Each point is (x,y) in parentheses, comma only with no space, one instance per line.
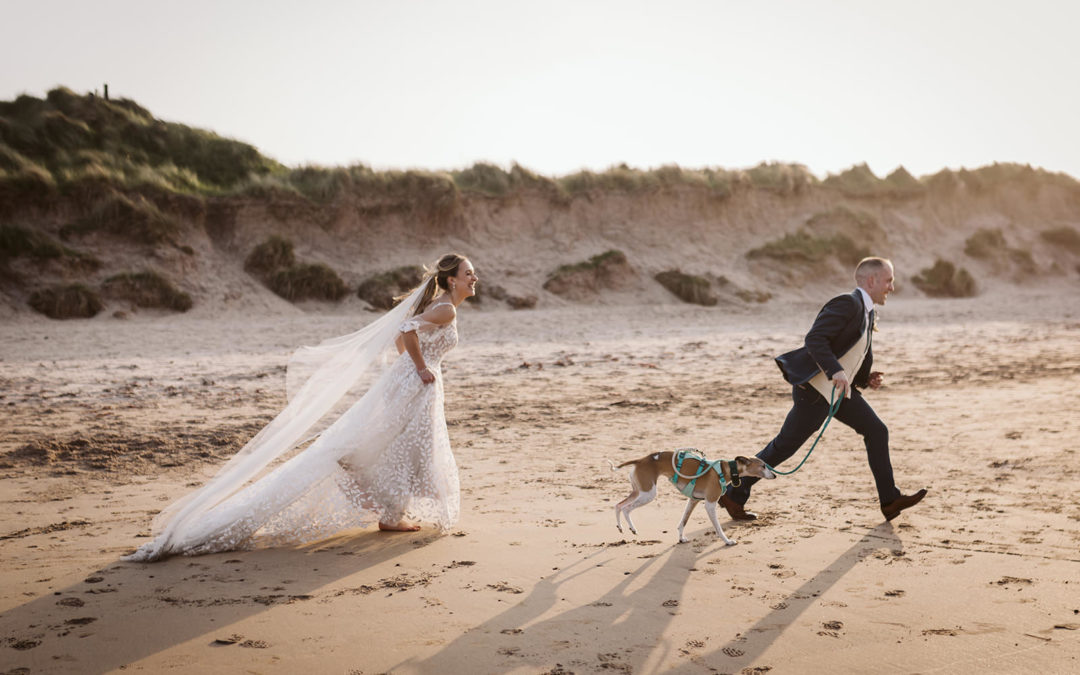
(834,405)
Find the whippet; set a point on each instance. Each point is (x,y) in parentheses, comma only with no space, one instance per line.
(709,486)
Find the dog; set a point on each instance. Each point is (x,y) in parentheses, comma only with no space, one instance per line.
(708,487)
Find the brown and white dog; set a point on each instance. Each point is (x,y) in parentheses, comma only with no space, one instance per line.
(648,470)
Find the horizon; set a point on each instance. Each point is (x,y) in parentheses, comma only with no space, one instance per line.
(572,86)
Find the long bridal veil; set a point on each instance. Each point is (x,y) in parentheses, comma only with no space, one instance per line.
(320,381)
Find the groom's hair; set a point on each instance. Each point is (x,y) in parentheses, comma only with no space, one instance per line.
(868,267)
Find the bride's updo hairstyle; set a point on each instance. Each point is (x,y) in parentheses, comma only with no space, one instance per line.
(444,269)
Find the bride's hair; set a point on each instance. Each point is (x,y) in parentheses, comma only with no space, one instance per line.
(446,267)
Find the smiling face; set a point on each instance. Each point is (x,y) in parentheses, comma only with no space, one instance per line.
(880,283)
(464,283)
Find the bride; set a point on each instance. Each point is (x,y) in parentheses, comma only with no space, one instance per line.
(381,451)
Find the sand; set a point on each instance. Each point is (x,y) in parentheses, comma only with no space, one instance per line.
(110,420)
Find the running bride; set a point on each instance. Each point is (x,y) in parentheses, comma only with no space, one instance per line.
(381,452)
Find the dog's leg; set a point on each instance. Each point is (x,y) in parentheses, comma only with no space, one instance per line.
(690,504)
(710,508)
(642,499)
(624,504)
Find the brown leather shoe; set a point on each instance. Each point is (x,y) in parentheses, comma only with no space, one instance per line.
(735,509)
(893,508)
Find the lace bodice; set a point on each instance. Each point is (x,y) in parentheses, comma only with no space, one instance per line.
(435,339)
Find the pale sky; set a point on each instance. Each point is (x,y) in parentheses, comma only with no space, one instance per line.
(563,85)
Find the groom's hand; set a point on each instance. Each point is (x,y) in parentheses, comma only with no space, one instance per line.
(842,383)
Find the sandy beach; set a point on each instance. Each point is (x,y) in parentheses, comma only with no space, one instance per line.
(106,421)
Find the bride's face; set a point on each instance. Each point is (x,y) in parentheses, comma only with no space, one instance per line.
(466,279)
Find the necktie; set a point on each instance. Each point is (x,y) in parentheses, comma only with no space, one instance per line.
(869,329)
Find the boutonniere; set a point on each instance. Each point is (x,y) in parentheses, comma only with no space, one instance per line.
(874,327)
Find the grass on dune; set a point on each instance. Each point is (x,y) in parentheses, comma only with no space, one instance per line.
(803,247)
(1064,237)
(16,242)
(147,289)
(945,280)
(72,301)
(82,148)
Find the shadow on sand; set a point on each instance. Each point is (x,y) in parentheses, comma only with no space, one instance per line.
(745,649)
(533,632)
(623,630)
(126,607)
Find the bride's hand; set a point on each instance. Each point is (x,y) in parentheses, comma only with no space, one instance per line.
(426,376)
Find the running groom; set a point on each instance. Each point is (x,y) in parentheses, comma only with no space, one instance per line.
(837,352)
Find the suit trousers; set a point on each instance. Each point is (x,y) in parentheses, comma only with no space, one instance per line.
(806,416)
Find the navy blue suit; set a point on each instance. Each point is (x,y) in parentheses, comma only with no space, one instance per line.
(837,328)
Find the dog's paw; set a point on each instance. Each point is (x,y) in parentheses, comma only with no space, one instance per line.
(683,540)
(620,527)
(730,542)
(633,530)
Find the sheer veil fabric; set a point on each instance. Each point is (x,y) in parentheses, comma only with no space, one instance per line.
(380,450)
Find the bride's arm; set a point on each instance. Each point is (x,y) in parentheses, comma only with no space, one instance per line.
(409,342)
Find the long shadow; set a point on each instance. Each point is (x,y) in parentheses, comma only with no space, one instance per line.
(134,610)
(613,623)
(770,628)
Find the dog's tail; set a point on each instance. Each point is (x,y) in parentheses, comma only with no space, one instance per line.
(624,464)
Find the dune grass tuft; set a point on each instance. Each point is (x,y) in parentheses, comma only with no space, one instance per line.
(609,269)
(990,245)
(381,289)
(945,280)
(147,289)
(985,244)
(861,181)
(274,262)
(609,257)
(1064,237)
(803,247)
(308,281)
(268,257)
(73,301)
(16,242)
(134,218)
(688,287)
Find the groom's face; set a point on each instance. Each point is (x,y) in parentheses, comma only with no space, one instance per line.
(880,285)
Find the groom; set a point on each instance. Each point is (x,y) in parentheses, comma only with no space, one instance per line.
(837,353)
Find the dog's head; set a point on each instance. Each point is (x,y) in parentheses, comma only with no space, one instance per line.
(753,466)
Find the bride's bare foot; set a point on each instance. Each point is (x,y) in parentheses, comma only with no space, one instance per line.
(398,527)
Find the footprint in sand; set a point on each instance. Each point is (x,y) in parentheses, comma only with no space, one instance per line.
(1012,581)
(70,602)
(254,644)
(23,645)
(831,629)
(941,631)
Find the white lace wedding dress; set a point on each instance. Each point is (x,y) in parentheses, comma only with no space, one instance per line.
(386,458)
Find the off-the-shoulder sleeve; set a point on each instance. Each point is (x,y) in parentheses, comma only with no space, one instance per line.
(418,324)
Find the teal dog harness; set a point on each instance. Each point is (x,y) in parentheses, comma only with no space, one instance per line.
(703,468)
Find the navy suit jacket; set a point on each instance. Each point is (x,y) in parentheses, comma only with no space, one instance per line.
(836,329)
